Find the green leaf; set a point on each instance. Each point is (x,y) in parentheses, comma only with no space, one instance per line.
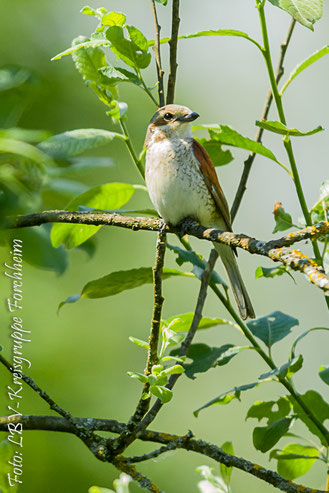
(270,410)
(88,60)
(228,396)
(320,408)
(270,272)
(228,136)
(99,489)
(79,45)
(119,281)
(138,376)
(293,347)
(225,471)
(180,323)
(174,370)
(212,32)
(205,357)
(218,156)
(273,327)
(74,142)
(320,210)
(164,394)
(281,129)
(83,164)
(283,220)
(197,261)
(265,437)
(114,75)
(27,151)
(306,63)
(138,38)
(127,49)
(113,19)
(139,342)
(287,370)
(306,12)
(324,374)
(111,195)
(164,2)
(295,460)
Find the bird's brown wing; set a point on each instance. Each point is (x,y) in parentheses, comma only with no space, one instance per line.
(210,177)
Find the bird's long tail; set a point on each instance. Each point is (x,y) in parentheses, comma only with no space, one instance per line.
(239,290)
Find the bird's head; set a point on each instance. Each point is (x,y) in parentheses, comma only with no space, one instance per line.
(173,121)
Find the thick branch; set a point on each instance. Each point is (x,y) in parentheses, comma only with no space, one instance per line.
(249,162)
(173,44)
(52,423)
(274,249)
(157,53)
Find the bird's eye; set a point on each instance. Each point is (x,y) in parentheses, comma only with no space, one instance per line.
(168,117)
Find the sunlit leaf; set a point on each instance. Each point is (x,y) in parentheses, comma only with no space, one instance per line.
(306,63)
(281,129)
(127,49)
(295,460)
(273,327)
(226,472)
(306,12)
(113,19)
(270,272)
(114,75)
(226,135)
(110,195)
(183,322)
(164,394)
(212,32)
(287,370)
(94,43)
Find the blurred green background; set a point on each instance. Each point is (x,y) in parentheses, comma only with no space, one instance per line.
(81,357)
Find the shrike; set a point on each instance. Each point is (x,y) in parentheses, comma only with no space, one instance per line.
(182,182)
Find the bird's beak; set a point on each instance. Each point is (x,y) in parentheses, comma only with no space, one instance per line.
(188,118)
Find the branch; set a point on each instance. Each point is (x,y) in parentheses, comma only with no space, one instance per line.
(123,465)
(157,53)
(186,442)
(274,249)
(129,434)
(173,43)
(249,162)
(206,275)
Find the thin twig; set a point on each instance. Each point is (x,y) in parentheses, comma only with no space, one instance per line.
(53,423)
(274,249)
(206,275)
(157,53)
(173,44)
(129,435)
(249,162)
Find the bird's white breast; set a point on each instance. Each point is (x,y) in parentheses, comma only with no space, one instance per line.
(175,183)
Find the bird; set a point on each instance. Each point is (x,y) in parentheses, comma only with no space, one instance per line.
(182,182)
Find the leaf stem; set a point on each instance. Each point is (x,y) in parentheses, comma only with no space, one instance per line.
(131,149)
(146,89)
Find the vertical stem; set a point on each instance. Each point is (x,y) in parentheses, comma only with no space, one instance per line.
(173,43)
(158,54)
(286,141)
